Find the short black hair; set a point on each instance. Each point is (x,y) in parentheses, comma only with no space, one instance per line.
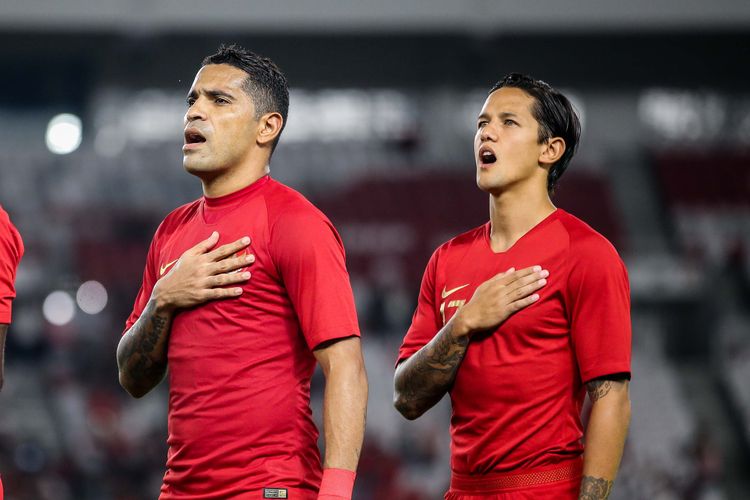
(555,115)
(265,83)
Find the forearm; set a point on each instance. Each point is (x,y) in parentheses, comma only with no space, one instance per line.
(605,438)
(423,379)
(344,413)
(142,351)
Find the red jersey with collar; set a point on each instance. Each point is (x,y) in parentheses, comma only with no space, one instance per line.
(518,393)
(240,368)
(11,251)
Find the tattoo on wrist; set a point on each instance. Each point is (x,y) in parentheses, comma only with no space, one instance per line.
(595,488)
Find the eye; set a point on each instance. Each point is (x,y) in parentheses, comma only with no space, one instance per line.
(221,100)
(481,124)
(190,101)
(510,122)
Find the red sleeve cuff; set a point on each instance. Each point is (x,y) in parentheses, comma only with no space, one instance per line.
(337,484)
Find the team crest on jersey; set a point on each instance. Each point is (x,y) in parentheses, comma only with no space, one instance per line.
(275,493)
(245,251)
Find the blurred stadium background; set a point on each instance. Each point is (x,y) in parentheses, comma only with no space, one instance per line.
(383,101)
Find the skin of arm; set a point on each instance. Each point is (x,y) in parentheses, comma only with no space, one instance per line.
(605,435)
(3,332)
(424,378)
(344,401)
(200,275)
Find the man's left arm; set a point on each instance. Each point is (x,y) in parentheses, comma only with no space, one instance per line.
(605,435)
(344,412)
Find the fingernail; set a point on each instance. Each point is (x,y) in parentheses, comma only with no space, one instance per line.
(246,275)
(246,240)
(511,270)
(238,291)
(535,297)
(536,269)
(545,273)
(542,281)
(215,233)
(250,258)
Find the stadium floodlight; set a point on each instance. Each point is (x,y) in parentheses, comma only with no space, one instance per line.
(59,308)
(64,133)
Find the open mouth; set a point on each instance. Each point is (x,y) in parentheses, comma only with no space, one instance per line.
(487,156)
(194,137)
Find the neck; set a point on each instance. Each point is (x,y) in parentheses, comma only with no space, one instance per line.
(234,180)
(514,212)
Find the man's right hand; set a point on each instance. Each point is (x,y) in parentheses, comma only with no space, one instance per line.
(202,274)
(497,298)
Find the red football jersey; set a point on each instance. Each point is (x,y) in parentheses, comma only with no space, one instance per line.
(240,368)
(11,251)
(518,393)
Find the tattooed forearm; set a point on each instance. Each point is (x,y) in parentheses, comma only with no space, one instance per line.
(142,352)
(595,488)
(423,379)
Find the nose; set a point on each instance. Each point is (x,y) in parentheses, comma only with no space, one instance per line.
(487,133)
(196,111)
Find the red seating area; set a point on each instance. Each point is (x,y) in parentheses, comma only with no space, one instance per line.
(706,179)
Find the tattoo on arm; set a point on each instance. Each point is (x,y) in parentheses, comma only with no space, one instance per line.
(600,387)
(142,355)
(595,488)
(597,389)
(423,379)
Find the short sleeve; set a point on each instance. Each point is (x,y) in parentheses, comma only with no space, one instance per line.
(599,306)
(147,285)
(11,251)
(425,323)
(310,258)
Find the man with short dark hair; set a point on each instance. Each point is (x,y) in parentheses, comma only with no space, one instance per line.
(11,251)
(240,348)
(515,349)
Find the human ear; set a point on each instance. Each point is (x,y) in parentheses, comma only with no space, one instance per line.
(269,128)
(552,150)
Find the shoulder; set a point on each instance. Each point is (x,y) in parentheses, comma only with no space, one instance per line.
(176,218)
(9,234)
(585,243)
(289,208)
(460,244)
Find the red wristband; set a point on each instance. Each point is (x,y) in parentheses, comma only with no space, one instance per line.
(337,484)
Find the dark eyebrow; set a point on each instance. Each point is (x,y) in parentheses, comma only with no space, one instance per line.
(503,115)
(211,93)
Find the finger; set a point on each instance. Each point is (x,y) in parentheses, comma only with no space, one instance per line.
(204,246)
(524,302)
(526,290)
(525,280)
(232,264)
(227,279)
(222,293)
(504,273)
(225,251)
(510,278)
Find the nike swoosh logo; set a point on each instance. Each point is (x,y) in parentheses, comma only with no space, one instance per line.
(166,266)
(445,293)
